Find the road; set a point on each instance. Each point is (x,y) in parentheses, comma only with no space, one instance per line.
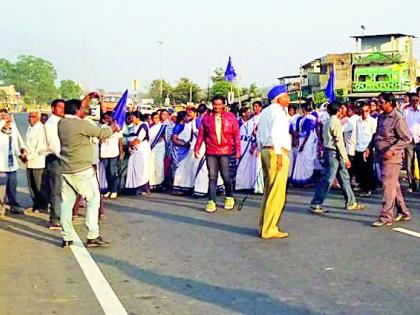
(170,257)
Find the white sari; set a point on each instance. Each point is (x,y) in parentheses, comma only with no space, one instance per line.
(138,170)
(184,174)
(157,155)
(249,173)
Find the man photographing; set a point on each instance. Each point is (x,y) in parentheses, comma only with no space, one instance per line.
(78,175)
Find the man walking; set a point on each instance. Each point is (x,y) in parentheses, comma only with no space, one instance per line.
(392,137)
(336,163)
(220,132)
(274,142)
(78,175)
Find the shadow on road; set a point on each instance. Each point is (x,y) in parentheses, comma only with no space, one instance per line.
(238,300)
(22,229)
(184,219)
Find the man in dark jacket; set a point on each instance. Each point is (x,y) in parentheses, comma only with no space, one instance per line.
(392,137)
(220,132)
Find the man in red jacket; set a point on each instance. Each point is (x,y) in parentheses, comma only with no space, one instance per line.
(220,131)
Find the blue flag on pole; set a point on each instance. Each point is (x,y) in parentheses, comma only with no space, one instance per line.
(230,73)
(120,110)
(329,89)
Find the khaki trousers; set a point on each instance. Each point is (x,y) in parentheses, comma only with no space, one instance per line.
(274,198)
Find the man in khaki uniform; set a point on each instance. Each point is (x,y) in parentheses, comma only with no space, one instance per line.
(274,142)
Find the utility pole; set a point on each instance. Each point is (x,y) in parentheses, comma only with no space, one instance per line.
(160,71)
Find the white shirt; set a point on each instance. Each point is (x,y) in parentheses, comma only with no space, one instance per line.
(365,129)
(349,129)
(51,132)
(412,118)
(36,145)
(4,148)
(110,147)
(273,129)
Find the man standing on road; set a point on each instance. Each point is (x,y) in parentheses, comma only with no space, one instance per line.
(52,162)
(78,175)
(274,142)
(412,117)
(35,162)
(392,137)
(220,132)
(336,163)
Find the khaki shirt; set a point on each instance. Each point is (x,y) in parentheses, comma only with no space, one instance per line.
(333,139)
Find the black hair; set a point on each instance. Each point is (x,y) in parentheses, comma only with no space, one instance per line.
(259,103)
(72,106)
(163,110)
(418,90)
(219,97)
(56,101)
(389,98)
(411,95)
(292,106)
(3,110)
(201,109)
(307,107)
(44,114)
(181,116)
(154,114)
(333,108)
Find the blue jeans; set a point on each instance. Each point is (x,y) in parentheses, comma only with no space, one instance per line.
(216,163)
(333,166)
(11,189)
(84,183)
(111,168)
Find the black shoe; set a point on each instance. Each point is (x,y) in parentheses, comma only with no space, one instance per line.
(66,244)
(97,242)
(317,209)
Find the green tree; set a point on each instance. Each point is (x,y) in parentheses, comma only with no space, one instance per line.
(154,91)
(182,90)
(69,89)
(32,76)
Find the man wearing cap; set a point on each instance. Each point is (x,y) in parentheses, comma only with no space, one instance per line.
(274,142)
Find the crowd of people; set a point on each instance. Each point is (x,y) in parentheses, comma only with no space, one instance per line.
(72,160)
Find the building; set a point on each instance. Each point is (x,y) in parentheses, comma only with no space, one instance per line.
(383,63)
(9,98)
(294,85)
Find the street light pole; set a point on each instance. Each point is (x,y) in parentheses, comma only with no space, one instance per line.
(160,70)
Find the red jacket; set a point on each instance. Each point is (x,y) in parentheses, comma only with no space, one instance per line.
(229,135)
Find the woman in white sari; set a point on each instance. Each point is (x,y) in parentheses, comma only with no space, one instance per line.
(138,170)
(249,173)
(303,168)
(157,146)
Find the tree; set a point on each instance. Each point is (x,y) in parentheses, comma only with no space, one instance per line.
(69,89)
(183,89)
(33,77)
(154,91)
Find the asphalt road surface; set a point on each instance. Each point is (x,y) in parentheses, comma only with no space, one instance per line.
(170,257)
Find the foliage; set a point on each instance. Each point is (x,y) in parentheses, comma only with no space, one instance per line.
(32,76)
(182,90)
(69,89)
(154,91)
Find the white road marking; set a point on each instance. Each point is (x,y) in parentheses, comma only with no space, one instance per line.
(405,231)
(107,298)
(100,286)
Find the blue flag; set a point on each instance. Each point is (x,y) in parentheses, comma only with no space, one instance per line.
(120,110)
(329,89)
(230,73)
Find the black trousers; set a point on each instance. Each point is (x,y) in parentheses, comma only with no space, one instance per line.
(54,184)
(364,172)
(216,163)
(36,189)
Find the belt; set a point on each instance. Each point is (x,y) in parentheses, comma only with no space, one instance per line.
(268,147)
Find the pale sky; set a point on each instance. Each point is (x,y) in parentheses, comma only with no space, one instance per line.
(106,44)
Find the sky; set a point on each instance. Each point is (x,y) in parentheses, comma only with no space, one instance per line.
(106,44)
